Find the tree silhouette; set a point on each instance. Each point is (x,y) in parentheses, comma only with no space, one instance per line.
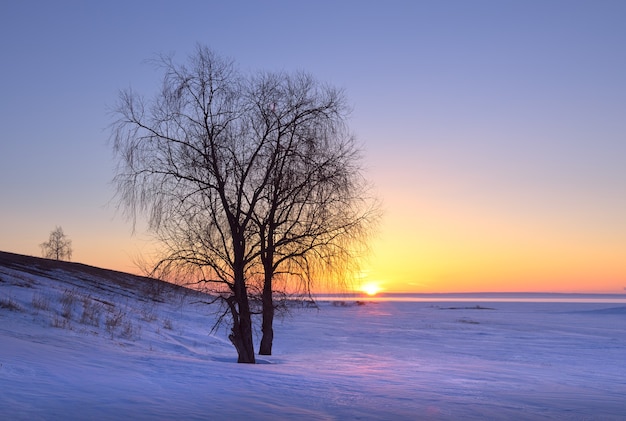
(243,179)
(58,246)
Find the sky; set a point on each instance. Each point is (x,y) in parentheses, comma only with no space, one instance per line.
(494,131)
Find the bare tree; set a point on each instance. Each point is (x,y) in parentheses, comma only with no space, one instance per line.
(315,211)
(186,160)
(58,246)
(243,179)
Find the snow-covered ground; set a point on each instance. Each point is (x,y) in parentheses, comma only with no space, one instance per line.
(74,347)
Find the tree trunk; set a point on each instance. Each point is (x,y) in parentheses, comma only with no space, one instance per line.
(267,258)
(268,318)
(241,334)
(247,353)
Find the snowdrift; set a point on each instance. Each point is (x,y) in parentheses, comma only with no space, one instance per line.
(78,342)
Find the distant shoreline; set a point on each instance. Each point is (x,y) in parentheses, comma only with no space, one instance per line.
(480,296)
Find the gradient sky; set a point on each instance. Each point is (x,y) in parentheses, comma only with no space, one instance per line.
(494,131)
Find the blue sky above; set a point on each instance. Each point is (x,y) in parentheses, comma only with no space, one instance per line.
(487,125)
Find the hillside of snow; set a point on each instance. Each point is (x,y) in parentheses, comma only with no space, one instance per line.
(77,342)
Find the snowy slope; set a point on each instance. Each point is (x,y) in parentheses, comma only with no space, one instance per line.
(82,343)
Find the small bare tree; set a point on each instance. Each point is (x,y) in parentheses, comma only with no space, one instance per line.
(58,246)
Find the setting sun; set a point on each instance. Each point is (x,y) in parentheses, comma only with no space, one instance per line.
(370,288)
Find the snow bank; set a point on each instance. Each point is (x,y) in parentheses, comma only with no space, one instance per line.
(381,360)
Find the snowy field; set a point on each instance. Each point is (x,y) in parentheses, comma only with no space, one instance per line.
(73,346)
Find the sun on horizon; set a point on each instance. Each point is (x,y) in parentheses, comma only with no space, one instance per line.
(371,288)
